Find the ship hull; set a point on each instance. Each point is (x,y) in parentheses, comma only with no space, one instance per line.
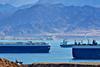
(91,52)
(66,46)
(24,49)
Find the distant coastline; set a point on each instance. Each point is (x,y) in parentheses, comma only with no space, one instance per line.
(47,37)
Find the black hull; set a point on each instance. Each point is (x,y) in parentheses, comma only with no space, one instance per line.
(24,49)
(66,46)
(86,52)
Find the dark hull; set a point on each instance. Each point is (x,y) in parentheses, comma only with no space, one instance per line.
(66,46)
(24,49)
(86,52)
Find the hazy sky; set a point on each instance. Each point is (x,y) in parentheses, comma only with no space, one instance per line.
(66,2)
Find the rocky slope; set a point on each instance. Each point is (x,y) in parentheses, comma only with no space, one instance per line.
(54,18)
(7,63)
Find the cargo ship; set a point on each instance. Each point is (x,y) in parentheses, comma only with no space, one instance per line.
(86,51)
(24,47)
(65,44)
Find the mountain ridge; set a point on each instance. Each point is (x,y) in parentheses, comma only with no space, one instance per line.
(56,18)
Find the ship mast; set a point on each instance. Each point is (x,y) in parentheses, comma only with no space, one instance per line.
(88,42)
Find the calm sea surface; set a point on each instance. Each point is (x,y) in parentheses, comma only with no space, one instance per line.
(57,54)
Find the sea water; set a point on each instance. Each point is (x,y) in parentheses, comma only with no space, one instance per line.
(57,54)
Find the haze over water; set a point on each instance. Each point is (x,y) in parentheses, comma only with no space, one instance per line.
(57,54)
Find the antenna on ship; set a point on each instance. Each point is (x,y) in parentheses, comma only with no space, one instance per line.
(81,41)
(86,38)
(65,42)
(75,42)
(88,41)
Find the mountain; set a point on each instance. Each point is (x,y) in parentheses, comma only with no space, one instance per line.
(25,6)
(6,10)
(53,18)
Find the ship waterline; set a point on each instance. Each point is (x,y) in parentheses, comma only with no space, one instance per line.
(86,52)
(24,47)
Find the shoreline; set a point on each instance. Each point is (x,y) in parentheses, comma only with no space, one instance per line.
(7,63)
(90,64)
